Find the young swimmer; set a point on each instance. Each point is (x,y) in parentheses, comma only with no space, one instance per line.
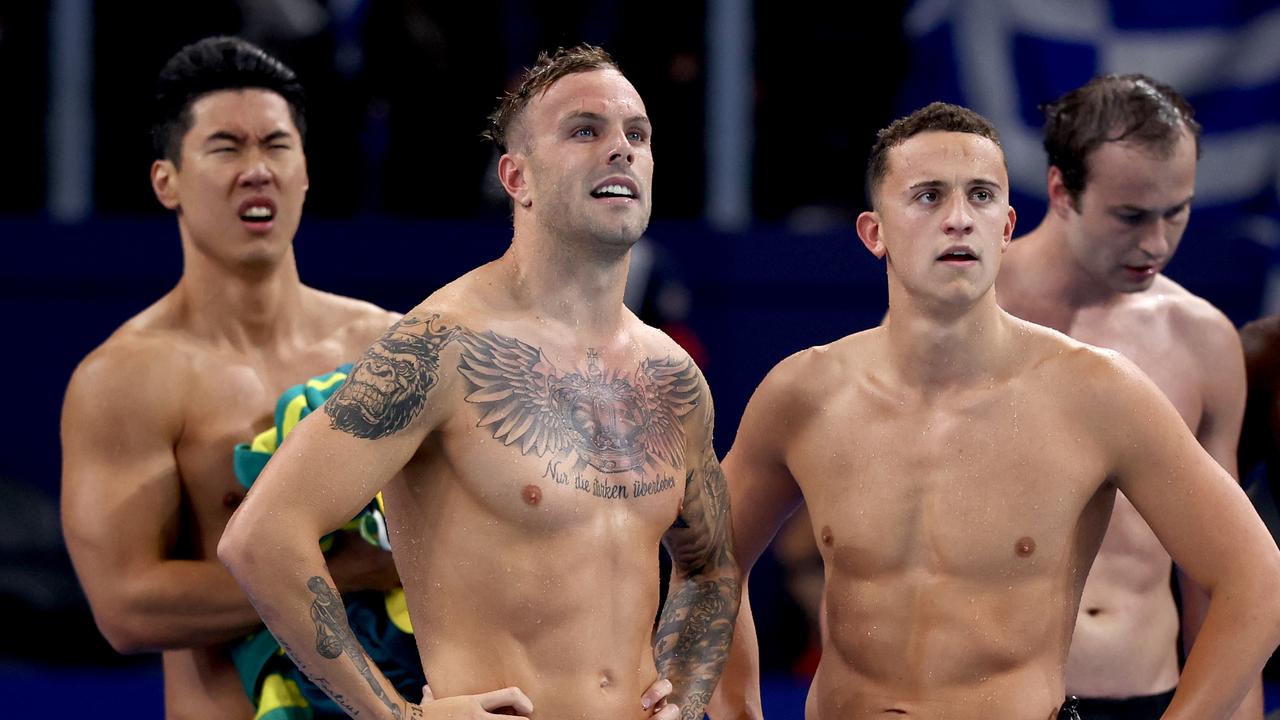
(960,466)
(152,414)
(534,443)
(1122,164)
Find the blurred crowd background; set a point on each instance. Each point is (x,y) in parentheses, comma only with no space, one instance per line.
(764,114)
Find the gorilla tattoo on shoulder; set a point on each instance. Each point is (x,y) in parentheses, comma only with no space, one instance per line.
(388,387)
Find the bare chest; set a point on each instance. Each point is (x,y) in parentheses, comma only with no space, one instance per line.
(991,490)
(552,443)
(227,403)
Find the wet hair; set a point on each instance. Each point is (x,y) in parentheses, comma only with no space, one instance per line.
(934,117)
(210,65)
(1113,108)
(537,80)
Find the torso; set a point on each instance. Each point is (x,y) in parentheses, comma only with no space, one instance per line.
(226,396)
(1126,634)
(526,530)
(956,532)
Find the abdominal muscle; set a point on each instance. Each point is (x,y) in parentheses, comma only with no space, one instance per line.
(939,648)
(567,616)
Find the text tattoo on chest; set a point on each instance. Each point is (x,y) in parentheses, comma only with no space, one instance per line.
(608,420)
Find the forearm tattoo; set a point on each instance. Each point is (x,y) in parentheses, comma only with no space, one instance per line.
(691,645)
(334,639)
(387,389)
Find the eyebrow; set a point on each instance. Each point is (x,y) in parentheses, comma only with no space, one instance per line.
(228,136)
(923,184)
(224,135)
(1137,209)
(597,117)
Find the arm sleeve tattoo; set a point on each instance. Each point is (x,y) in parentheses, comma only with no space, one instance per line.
(691,645)
(388,388)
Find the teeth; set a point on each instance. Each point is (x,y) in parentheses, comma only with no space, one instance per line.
(257,212)
(615,190)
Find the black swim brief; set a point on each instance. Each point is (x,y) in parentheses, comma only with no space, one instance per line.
(1144,707)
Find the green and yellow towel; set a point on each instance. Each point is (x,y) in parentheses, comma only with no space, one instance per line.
(379,620)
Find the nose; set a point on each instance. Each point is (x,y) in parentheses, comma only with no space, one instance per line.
(958,220)
(1154,241)
(257,174)
(620,149)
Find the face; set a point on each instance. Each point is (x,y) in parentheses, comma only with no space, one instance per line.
(581,162)
(243,177)
(942,217)
(1132,213)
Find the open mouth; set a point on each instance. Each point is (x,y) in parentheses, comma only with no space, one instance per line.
(616,188)
(257,211)
(958,255)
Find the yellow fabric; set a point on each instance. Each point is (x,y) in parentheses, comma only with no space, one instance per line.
(398,610)
(293,414)
(323,384)
(264,442)
(279,692)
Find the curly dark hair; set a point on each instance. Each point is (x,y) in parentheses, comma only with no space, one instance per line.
(1113,108)
(934,117)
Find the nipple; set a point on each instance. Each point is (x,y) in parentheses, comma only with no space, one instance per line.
(1025,547)
(232,499)
(827,537)
(532,494)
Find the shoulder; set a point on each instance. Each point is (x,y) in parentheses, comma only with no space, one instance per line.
(134,374)
(1096,388)
(805,380)
(1195,319)
(355,323)
(1064,365)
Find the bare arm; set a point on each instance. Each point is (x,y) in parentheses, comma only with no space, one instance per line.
(696,627)
(1203,518)
(333,464)
(1222,374)
(764,494)
(121,509)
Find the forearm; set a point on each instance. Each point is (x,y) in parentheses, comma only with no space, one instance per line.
(1239,633)
(294,593)
(173,604)
(737,696)
(694,636)
(1252,706)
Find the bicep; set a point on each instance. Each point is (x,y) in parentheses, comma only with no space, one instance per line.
(760,482)
(121,490)
(334,462)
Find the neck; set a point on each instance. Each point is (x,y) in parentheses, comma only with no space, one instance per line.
(1051,269)
(936,348)
(247,307)
(576,284)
